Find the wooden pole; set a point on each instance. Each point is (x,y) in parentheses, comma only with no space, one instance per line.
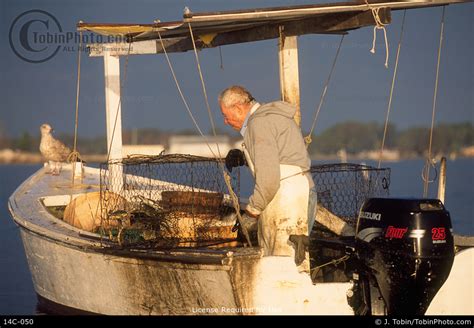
(442,180)
(289,74)
(113,114)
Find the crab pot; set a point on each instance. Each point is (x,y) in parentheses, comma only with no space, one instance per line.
(197,216)
(342,188)
(171,200)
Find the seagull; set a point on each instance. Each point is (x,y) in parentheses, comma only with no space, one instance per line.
(53,150)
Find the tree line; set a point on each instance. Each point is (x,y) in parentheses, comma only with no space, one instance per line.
(353,137)
(356,137)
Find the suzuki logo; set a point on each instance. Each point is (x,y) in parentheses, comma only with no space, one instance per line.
(371,216)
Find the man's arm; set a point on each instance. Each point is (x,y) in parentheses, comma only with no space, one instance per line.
(264,154)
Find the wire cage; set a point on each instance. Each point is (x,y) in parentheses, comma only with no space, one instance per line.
(342,188)
(167,200)
(182,200)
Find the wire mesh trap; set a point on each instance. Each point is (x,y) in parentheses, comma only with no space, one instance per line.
(167,200)
(182,200)
(342,188)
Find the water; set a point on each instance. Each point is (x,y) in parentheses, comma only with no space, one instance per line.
(459,199)
(17,295)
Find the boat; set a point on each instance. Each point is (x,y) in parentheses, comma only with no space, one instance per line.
(201,264)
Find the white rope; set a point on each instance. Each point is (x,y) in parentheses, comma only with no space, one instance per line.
(222,61)
(429,160)
(182,96)
(378,26)
(391,90)
(308,139)
(74,155)
(425,173)
(203,85)
(234,197)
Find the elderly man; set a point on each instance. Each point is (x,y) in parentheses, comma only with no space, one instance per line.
(276,154)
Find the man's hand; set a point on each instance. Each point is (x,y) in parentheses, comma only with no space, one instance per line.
(248,222)
(234,158)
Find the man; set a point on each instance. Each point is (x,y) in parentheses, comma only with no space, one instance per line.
(275,151)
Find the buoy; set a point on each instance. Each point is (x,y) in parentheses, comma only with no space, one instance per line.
(85,211)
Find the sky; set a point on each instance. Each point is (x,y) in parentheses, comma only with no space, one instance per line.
(35,93)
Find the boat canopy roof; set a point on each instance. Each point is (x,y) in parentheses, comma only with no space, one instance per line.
(258,24)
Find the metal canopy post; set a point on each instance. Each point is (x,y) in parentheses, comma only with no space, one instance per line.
(113,115)
(289,74)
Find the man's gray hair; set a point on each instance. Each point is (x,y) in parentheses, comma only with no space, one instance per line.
(235,95)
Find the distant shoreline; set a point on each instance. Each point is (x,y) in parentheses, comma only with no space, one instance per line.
(8,156)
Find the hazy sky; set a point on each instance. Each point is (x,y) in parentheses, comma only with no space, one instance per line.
(32,94)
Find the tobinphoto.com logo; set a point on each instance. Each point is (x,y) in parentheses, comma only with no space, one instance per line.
(36,36)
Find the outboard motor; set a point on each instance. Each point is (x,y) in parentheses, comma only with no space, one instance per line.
(405,251)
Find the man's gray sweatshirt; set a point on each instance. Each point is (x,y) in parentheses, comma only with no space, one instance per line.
(273,138)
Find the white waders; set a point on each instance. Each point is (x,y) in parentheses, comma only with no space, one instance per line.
(286,214)
(280,286)
(291,212)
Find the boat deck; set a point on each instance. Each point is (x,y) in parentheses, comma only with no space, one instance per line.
(28,207)
(28,210)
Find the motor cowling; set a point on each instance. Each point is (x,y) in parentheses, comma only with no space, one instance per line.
(406,251)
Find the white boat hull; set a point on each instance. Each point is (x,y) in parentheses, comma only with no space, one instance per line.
(73,269)
(108,284)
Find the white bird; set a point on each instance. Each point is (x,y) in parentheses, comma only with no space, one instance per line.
(53,150)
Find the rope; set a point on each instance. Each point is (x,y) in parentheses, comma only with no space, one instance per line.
(74,155)
(222,61)
(308,139)
(425,173)
(227,178)
(120,100)
(182,96)
(335,262)
(426,177)
(203,84)
(236,203)
(226,175)
(378,26)
(391,90)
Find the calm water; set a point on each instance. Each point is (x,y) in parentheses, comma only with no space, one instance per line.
(17,295)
